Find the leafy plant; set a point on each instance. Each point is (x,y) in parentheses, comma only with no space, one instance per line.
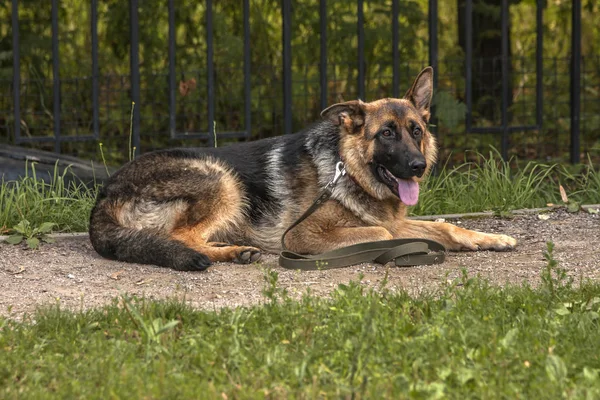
(449,110)
(271,290)
(152,330)
(32,235)
(554,278)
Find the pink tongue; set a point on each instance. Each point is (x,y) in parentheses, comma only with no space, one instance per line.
(408,191)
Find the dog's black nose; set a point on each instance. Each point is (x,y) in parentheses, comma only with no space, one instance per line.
(418,167)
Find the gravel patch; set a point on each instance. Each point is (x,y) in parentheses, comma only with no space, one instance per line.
(72,274)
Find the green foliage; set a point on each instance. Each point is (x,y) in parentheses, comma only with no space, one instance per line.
(448,110)
(554,278)
(488,184)
(62,202)
(266,64)
(32,235)
(271,290)
(584,184)
(152,331)
(469,340)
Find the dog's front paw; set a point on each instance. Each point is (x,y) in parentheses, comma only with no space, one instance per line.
(497,243)
(475,241)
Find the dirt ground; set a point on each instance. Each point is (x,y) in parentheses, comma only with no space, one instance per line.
(70,272)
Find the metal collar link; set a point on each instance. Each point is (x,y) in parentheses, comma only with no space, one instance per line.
(340,170)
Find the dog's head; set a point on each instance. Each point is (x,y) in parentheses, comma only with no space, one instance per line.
(385,144)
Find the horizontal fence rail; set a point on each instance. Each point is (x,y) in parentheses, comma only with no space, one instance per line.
(326,76)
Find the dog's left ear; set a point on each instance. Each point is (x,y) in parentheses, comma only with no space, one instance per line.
(421,92)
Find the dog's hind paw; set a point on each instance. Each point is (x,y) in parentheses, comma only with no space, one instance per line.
(192,262)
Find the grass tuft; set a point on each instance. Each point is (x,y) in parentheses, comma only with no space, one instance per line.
(584,184)
(492,184)
(62,201)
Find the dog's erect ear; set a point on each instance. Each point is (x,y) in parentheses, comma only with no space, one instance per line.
(421,92)
(350,114)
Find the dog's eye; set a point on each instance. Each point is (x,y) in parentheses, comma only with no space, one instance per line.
(386,132)
(417,132)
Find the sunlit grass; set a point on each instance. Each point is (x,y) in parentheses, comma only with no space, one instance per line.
(468,340)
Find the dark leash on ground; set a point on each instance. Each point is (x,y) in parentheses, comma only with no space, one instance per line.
(404,252)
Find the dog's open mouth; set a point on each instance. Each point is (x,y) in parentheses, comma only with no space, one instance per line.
(406,189)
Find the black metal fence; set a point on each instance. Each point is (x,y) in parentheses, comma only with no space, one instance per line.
(506,131)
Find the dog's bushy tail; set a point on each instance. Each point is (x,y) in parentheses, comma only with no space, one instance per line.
(144,246)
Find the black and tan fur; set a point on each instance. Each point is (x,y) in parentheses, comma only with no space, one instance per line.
(186,208)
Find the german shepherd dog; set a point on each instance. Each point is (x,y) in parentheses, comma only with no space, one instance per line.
(186,208)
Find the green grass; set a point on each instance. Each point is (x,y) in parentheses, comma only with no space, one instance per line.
(585,184)
(470,340)
(61,201)
(490,184)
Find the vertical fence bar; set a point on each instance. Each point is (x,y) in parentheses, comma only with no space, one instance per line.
(433,49)
(361,49)
(247,66)
(468,62)
(395,51)
(575,80)
(539,63)
(323,63)
(286,14)
(55,77)
(433,40)
(505,94)
(172,89)
(16,70)
(210,70)
(95,68)
(134,66)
